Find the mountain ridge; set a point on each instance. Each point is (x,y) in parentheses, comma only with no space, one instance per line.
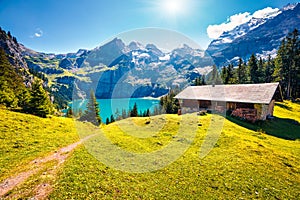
(261,36)
(142,70)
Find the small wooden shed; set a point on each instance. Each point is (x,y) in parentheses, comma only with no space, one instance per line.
(250,101)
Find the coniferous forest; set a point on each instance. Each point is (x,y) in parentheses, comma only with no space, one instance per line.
(284,68)
(14,94)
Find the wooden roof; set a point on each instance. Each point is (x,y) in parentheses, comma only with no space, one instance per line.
(246,93)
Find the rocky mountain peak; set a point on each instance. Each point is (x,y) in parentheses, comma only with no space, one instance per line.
(134,45)
(152,48)
(259,35)
(290,6)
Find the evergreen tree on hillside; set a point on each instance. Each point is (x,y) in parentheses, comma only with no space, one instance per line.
(279,62)
(261,71)
(197,81)
(147,113)
(7,95)
(214,77)
(287,69)
(292,65)
(231,74)
(203,80)
(112,119)
(39,103)
(169,104)
(224,75)
(269,70)
(92,113)
(9,34)
(11,84)
(124,114)
(134,111)
(253,67)
(242,76)
(200,80)
(228,75)
(23,98)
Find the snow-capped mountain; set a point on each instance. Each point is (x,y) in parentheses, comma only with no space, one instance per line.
(144,69)
(258,35)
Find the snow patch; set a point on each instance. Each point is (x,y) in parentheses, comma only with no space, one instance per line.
(165,58)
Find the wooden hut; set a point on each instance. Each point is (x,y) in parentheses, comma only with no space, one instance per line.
(250,101)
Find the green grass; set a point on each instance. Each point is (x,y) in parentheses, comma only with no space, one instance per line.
(248,161)
(25,137)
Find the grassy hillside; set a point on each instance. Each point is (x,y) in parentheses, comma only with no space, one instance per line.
(24,137)
(247,162)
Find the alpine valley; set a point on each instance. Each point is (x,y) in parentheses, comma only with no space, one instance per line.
(119,70)
(113,70)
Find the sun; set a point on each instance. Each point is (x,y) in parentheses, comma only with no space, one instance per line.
(172,7)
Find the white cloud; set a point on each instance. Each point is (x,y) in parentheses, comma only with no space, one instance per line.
(265,12)
(38,33)
(215,31)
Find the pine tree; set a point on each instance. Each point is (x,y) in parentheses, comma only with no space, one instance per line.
(261,71)
(242,72)
(293,48)
(231,74)
(134,111)
(214,76)
(224,75)
(15,40)
(39,103)
(11,84)
(9,34)
(112,119)
(203,81)
(124,114)
(200,80)
(107,121)
(7,95)
(269,70)
(253,67)
(92,112)
(287,64)
(168,103)
(228,75)
(279,62)
(147,113)
(117,114)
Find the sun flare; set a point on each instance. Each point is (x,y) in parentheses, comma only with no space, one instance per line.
(172,7)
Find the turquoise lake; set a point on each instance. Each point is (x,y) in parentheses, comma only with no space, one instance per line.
(109,107)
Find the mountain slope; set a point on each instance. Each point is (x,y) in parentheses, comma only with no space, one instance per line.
(135,69)
(261,36)
(14,51)
(244,164)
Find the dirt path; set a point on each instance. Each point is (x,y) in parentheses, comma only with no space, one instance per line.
(42,190)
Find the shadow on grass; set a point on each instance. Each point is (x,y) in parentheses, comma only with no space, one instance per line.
(284,106)
(288,129)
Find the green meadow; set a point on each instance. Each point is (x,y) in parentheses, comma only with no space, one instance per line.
(248,161)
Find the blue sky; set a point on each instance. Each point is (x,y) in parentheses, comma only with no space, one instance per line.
(60,26)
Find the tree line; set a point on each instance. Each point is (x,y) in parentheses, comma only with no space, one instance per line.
(284,68)
(92,112)
(31,98)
